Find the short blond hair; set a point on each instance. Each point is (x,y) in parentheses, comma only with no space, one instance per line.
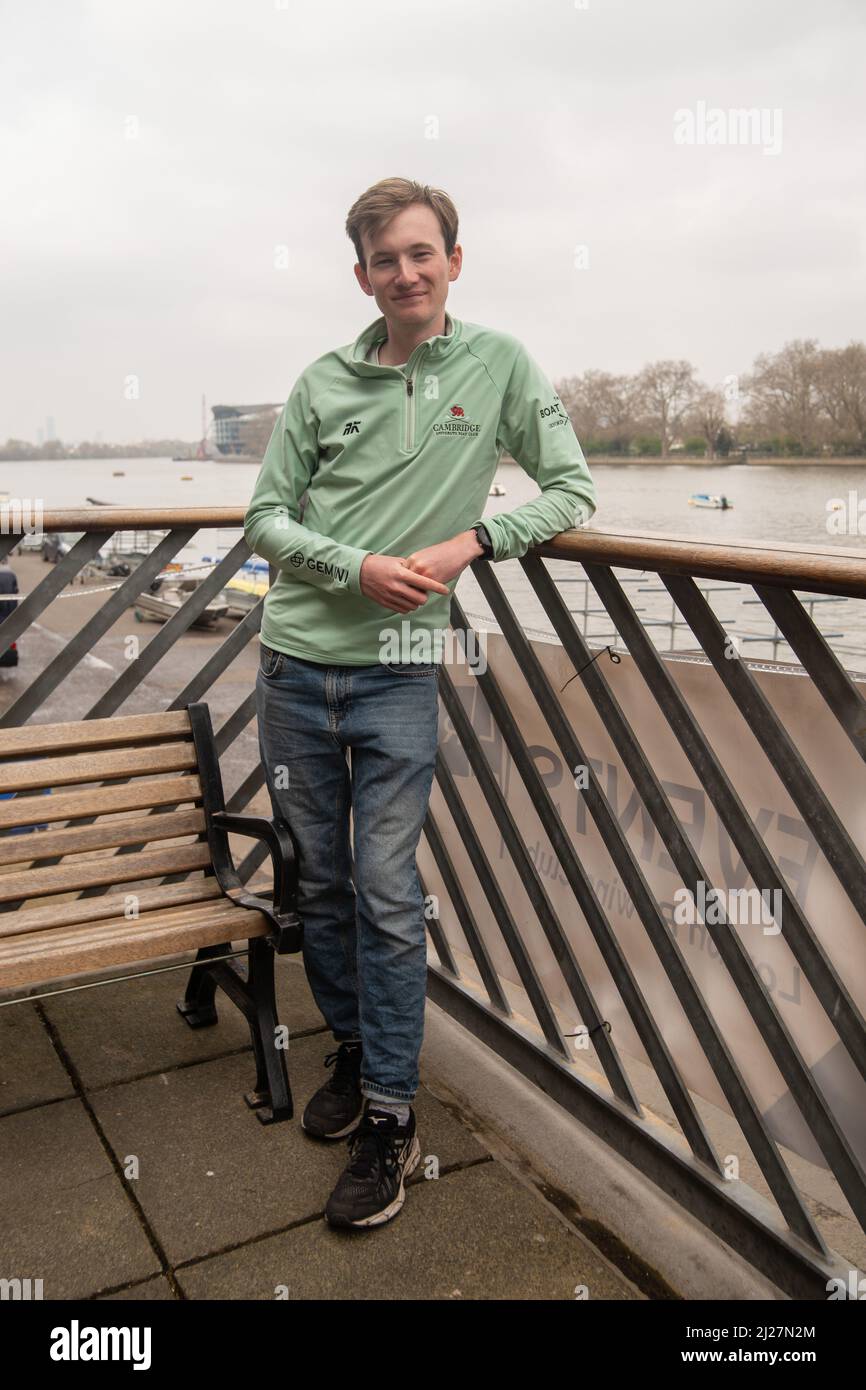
(385,199)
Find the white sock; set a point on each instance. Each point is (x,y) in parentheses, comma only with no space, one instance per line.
(392,1107)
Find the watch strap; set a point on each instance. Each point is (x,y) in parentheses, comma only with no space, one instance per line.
(484,540)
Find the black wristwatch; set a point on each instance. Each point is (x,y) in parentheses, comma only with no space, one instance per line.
(484,541)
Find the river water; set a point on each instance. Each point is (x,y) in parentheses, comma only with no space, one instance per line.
(781,503)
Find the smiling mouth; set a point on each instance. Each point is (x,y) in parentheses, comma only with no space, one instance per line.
(419,294)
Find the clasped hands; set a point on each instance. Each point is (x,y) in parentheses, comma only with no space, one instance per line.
(402,584)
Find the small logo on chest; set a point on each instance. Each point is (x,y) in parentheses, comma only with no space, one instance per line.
(455,424)
(352,427)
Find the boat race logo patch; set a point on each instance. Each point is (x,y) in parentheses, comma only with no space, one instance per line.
(455,424)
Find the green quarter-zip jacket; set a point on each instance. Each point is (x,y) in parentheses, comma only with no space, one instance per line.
(395,459)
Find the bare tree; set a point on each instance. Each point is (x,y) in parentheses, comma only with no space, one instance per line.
(782,393)
(601,406)
(707,418)
(841,391)
(666,390)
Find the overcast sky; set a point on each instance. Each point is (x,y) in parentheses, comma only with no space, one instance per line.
(153,156)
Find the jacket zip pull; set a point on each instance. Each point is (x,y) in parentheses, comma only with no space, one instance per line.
(410,407)
(410,414)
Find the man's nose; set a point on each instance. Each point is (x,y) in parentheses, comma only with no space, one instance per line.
(406,274)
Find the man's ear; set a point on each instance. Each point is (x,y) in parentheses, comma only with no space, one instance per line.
(361,277)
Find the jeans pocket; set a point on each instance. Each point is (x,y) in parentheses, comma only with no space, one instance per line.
(270,661)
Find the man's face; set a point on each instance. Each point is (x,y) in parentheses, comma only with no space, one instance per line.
(408,272)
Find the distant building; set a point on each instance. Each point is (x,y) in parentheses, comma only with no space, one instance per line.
(243,430)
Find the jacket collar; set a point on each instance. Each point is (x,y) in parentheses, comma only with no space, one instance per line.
(432,349)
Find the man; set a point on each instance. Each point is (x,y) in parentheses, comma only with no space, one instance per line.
(396,440)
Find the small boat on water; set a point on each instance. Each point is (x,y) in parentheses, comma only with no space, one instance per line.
(709,499)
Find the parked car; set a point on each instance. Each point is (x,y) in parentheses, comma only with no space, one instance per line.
(8,585)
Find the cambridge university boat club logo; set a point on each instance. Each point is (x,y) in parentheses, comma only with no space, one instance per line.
(455,424)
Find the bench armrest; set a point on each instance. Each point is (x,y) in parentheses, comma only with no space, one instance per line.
(278,838)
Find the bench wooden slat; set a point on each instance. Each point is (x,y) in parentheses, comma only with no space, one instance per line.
(34,959)
(31,739)
(113,869)
(167,895)
(42,844)
(136,796)
(96,767)
(37,943)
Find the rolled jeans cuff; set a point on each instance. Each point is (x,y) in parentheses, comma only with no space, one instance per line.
(387,1093)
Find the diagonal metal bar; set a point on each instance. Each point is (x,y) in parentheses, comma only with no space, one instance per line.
(218,662)
(221,659)
(438,937)
(460,903)
(562,949)
(838,848)
(834,684)
(86,637)
(704,1026)
(735,1213)
(500,909)
(587,899)
(178,624)
(46,591)
(781,1045)
(829,988)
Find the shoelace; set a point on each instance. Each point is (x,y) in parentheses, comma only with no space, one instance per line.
(344,1077)
(370,1148)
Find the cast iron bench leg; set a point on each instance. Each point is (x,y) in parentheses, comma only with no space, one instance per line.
(198,1005)
(272,1097)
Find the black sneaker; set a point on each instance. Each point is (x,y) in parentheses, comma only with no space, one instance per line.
(335,1110)
(382,1155)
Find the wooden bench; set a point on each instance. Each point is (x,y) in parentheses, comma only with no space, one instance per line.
(141,799)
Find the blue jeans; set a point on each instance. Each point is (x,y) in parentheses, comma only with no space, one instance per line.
(364,938)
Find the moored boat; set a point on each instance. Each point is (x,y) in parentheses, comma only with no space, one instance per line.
(709,499)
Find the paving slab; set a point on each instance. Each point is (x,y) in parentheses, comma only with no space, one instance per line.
(31,1072)
(123,1030)
(211,1176)
(64,1217)
(476,1233)
(151,1289)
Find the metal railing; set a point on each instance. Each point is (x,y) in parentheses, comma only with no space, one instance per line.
(784,1242)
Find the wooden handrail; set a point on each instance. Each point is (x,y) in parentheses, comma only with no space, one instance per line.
(820,569)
